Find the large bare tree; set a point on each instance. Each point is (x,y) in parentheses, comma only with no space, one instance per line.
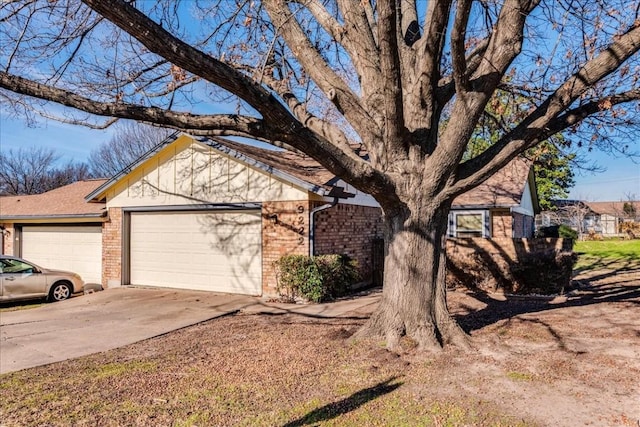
(404,81)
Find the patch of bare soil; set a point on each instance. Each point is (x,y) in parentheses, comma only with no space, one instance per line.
(569,361)
(572,360)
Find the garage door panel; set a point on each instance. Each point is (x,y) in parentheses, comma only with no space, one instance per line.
(203,251)
(65,247)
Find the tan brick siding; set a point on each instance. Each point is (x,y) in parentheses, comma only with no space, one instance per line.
(285,231)
(112,249)
(8,235)
(501,223)
(349,230)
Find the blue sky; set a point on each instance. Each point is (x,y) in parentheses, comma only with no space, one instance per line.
(622,175)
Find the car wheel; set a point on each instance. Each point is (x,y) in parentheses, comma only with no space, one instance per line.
(60,291)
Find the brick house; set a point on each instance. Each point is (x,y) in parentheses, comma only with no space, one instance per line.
(505,205)
(212,214)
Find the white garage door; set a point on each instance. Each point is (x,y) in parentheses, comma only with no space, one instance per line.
(65,247)
(212,251)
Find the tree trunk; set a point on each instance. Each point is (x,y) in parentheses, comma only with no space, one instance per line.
(414,292)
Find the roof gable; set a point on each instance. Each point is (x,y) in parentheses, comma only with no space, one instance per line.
(504,189)
(295,169)
(616,209)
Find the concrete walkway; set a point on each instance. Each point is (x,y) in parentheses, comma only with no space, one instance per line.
(117,317)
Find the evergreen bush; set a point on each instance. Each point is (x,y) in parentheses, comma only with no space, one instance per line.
(317,278)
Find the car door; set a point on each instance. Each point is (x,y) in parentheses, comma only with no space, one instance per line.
(20,279)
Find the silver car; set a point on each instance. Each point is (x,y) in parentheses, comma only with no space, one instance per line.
(21,279)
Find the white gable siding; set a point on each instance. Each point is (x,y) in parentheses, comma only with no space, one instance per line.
(188,172)
(526,202)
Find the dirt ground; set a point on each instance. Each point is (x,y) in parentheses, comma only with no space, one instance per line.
(569,361)
(579,355)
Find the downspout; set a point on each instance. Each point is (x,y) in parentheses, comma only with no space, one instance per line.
(513,224)
(312,223)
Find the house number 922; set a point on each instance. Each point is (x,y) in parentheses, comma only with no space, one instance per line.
(300,224)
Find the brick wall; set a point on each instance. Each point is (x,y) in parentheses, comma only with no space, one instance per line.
(285,231)
(501,223)
(350,230)
(511,265)
(7,239)
(112,249)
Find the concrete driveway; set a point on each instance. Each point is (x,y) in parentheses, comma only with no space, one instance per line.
(116,317)
(105,320)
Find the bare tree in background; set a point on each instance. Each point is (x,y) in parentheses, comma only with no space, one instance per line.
(575,214)
(129,143)
(404,81)
(34,170)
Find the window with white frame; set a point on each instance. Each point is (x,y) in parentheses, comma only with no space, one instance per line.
(469,224)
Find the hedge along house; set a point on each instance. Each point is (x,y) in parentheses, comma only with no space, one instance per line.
(504,205)
(211,214)
(56,229)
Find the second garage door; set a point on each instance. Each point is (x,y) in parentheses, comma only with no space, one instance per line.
(211,251)
(75,248)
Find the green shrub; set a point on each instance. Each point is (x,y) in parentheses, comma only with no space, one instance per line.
(339,273)
(567,232)
(315,278)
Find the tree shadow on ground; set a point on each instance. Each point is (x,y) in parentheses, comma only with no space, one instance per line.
(348,404)
(587,291)
(622,263)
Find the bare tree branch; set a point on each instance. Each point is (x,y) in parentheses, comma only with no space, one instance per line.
(333,86)
(243,125)
(156,39)
(537,126)
(458,40)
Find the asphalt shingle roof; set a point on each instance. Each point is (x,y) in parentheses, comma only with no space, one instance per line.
(60,202)
(504,189)
(612,208)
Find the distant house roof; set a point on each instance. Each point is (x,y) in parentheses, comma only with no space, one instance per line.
(612,208)
(504,189)
(63,202)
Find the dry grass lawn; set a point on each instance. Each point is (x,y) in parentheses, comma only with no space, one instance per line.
(565,362)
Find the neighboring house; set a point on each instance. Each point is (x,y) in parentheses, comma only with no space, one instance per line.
(602,218)
(503,206)
(56,229)
(211,214)
(607,217)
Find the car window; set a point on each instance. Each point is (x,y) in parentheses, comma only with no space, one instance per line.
(4,263)
(15,266)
